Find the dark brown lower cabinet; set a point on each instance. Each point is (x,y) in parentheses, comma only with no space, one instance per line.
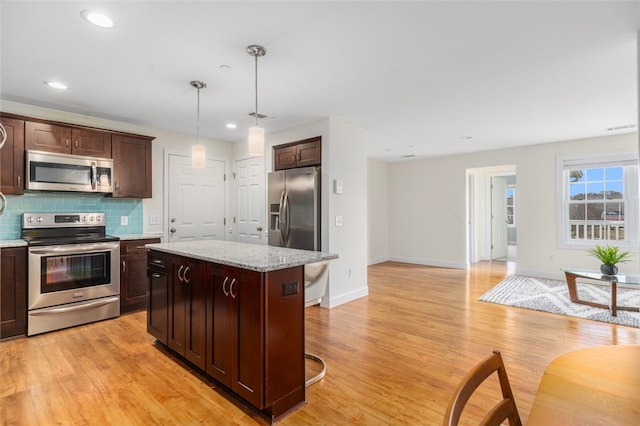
(244,329)
(133,274)
(158,297)
(13,292)
(187,299)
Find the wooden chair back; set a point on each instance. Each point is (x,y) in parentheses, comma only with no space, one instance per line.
(503,410)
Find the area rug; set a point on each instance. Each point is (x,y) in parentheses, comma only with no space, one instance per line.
(553,296)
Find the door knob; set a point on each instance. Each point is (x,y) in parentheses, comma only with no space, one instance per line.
(259,229)
(173,220)
(172,230)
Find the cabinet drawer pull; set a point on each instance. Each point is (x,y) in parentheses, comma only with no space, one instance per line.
(140,247)
(67,142)
(184,274)
(19,181)
(157,261)
(124,266)
(180,276)
(155,275)
(231,288)
(224,286)
(76,144)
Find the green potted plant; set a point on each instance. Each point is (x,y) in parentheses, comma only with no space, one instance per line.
(609,256)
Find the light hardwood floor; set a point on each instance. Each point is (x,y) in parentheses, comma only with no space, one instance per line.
(393,357)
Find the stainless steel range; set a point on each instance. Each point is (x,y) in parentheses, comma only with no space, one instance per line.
(73,270)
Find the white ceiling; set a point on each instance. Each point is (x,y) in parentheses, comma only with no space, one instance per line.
(421,77)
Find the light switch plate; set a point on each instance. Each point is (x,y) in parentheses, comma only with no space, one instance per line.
(338,220)
(124,220)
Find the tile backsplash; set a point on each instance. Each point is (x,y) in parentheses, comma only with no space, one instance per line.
(50,202)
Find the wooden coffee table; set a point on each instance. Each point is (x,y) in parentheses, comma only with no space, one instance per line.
(622,280)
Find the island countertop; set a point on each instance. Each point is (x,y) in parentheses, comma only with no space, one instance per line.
(255,257)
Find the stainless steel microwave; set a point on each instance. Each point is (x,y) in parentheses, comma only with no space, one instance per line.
(47,171)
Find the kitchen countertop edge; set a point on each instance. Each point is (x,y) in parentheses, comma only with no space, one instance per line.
(259,258)
(12,243)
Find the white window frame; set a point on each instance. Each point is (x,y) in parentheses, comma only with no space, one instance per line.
(631,189)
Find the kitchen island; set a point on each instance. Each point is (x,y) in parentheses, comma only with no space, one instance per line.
(236,313)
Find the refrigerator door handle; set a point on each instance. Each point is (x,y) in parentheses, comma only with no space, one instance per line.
(286,224)
(281,218)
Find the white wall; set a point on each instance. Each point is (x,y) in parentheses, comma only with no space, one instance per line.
(428,221)
(344,158)
(173,142)
(377,211)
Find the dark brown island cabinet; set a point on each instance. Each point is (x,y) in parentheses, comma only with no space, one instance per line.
(242,328)
(133,274)
(13,292)
(307,152)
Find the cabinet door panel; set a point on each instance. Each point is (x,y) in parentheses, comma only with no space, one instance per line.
(12,162)
(309,154)
(13,296)
(196,314)
(91,143)
(47,137)
(249,313)
(178,293)
(131,167)
(285,157)
(219,336)
(157,309)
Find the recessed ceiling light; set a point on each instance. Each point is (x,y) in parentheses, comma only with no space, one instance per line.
(466,137)
(56,85)
(231,125)
(387,149)
(96,18)
(225,67)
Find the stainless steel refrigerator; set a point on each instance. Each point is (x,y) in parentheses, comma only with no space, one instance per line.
(294,208)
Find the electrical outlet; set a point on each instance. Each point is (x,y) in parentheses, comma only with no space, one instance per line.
(154,220)
(338,220)
(124,220)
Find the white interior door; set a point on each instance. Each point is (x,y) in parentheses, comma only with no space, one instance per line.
(250,200)
(196,199)
(498,217)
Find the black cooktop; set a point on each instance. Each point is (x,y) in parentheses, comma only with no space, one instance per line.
(77,239)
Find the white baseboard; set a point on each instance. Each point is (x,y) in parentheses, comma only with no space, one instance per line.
(344,298)
(378,260)
(430,262)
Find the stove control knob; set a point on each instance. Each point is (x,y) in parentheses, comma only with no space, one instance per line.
(98,219)
(90,218)
(29,219)
(83,218)
(40,219)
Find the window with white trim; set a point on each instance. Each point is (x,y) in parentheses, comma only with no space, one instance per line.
(599,200)
(510,194)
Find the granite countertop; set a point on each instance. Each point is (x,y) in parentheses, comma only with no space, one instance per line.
(12,243)
(261,258)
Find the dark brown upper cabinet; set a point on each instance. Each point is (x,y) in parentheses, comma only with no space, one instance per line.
(131,167)
(307,152)
(12,157)
(67,140)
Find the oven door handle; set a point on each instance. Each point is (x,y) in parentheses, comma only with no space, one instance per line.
(84,306)
(74,249)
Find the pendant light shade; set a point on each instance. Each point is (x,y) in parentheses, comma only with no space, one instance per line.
(256,141)
(198,153)
(256,133)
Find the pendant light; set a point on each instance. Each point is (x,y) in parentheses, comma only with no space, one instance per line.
(197,150)
(256,133)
